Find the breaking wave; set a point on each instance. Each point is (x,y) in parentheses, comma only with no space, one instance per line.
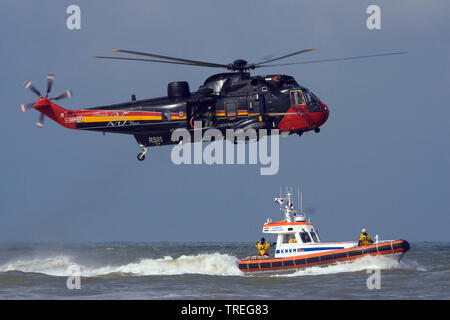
(55,266)
(208,264)
(361,264)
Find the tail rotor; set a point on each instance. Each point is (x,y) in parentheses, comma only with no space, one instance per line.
(25,107)
(50,79)
(30,87)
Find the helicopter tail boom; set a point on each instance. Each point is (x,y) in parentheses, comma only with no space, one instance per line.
(54,112)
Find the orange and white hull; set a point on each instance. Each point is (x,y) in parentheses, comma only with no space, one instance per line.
(392,248)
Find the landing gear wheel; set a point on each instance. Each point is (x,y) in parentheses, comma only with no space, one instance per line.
(141,156)
(317,130)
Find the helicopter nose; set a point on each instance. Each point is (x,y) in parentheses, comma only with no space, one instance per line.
(325,112)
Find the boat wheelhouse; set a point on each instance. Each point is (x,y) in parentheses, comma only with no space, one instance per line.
(298,244)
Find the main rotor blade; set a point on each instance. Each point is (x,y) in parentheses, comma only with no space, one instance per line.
(286,56)
(335,59)
(151,60)
(29,86)
(50,79)
(194,62)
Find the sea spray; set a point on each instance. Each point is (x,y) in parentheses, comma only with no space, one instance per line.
(208,264)
(361,264)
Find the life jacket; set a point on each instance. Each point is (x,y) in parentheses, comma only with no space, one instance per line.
(364,239)
(262,248)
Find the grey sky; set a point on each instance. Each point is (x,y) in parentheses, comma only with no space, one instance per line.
(380,162)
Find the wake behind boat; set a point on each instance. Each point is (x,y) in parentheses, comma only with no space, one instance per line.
(298,245)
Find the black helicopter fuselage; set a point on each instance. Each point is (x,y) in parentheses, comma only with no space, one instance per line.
(232,100)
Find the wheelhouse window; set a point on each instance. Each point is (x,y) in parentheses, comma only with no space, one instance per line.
(305,237)
(314,236)
(289,238)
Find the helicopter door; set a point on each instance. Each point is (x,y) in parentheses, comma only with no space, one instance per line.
(256,105)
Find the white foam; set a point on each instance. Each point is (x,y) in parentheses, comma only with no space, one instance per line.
(55,266)
(210,264)
(361,264)
(207,264)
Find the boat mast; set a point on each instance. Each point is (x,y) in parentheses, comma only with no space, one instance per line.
(289,207)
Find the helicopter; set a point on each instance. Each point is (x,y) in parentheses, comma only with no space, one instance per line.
(228,100)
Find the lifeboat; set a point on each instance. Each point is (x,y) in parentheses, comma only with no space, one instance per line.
(298,245)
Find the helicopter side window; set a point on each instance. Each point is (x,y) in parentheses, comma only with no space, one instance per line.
(231,108)
(296,98)
(293,98)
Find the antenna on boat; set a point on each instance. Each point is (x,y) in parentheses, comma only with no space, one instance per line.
(301,202)
(288,207)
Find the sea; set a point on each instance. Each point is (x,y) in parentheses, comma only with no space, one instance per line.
(208,271)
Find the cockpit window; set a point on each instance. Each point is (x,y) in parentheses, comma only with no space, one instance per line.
(312,101)
(314,106)
(314,96)
(288,80)
(307,97)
